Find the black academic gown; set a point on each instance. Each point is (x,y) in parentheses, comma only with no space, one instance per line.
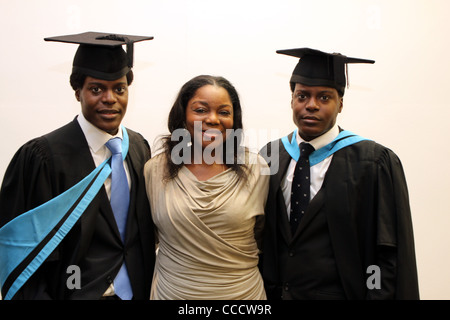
(49,165)
(359,218)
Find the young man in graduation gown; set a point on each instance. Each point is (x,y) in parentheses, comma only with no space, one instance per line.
(93,250)
(338,221)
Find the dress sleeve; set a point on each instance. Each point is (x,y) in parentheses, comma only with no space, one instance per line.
(260,190)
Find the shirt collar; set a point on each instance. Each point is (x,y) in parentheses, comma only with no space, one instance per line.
(96,138)
(322,140)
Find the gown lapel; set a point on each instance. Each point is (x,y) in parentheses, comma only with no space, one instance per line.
(283,163)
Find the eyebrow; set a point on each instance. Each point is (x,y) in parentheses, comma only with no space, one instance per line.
(206,104)
(202,102)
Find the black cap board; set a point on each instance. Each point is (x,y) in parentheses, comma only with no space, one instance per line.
(317,68)
(100,55)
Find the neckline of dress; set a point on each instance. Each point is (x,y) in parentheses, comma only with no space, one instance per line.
(192,175)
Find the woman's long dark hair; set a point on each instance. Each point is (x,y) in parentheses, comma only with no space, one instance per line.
(177,120)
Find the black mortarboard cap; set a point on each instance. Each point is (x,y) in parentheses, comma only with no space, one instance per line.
(317,68)
(100,55)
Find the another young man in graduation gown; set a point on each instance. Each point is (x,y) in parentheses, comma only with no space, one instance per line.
(354,239)
(47,166)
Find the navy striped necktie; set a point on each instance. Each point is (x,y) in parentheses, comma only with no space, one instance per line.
(300,192)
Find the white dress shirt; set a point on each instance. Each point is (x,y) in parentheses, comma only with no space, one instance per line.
(96,140)
(318,171)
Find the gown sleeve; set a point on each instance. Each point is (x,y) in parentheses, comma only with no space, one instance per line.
(395,252)
(27,183)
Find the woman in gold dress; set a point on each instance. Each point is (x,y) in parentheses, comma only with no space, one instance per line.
(207,195)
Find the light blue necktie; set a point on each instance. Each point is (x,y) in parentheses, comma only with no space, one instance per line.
(120,200)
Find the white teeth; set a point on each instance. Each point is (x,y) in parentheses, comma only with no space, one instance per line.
(211,134)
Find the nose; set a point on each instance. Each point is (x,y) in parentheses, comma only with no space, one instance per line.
(212,119)
(109,97)
(312,104)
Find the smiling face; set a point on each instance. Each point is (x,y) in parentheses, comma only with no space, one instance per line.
(315,109)
(104,103)
(212,107)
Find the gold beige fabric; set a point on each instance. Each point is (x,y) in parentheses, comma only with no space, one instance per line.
(207,248)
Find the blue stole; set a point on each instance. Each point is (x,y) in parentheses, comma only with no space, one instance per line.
(27,240)
(344,139)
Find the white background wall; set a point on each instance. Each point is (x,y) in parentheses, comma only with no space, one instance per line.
(400,101)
